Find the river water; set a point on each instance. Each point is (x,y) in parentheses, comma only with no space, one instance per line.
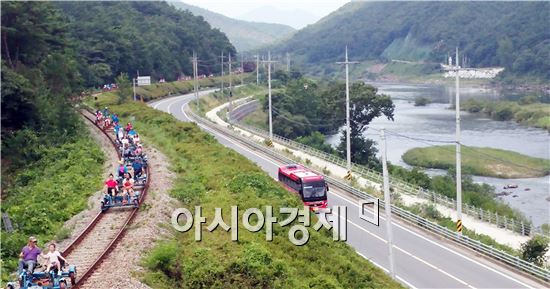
(436,121)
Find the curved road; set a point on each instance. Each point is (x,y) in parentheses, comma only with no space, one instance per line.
(421,259)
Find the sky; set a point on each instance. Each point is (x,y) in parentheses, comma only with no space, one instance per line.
(240,8)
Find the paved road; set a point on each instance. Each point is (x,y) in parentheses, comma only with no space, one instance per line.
(421,260)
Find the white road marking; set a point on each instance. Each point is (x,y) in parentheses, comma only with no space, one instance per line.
(411,255)
(386,270)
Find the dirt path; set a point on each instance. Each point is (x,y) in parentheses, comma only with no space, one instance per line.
(122,267)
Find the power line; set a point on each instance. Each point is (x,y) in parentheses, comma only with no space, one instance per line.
(420,139)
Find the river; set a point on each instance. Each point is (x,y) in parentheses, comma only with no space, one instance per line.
(437,122)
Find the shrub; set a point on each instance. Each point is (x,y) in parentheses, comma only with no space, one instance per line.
(421,101)
(535,249)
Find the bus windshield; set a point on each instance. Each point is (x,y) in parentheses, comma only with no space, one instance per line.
(314,190)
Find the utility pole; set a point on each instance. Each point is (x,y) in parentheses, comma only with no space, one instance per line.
(287,62)
(348,127)
(221,57)
(230,86)
(387,202)
(458,161)
(195,83)
(257,69)
(268,62)
(242,68)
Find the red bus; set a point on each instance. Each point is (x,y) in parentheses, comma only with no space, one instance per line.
(311,187)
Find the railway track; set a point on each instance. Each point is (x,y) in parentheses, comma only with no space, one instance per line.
(91,247)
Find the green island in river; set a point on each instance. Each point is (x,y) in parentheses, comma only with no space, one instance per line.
(480,161)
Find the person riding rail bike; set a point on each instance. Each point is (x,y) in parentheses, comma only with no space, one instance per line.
(53,256)
(128,187)
(129,127)
(111,186)
(121,169)
(28,257)
(138,168)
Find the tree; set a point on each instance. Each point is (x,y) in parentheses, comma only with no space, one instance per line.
(365,105)
(505,52)
(124,87)
(316,140)
(30,31)
(535,249)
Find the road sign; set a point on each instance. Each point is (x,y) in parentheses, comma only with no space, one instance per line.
(143,80)
(459,226)
(348,176)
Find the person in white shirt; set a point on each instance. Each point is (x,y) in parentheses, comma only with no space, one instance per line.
(53,257)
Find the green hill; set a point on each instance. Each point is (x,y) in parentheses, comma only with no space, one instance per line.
(245,35)
(152,37)
(514,35)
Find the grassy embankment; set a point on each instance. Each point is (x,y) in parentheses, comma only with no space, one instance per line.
(478,161)
(525,111)
(45,193)
(211,175)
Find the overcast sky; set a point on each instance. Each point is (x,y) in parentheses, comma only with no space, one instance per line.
(238,8)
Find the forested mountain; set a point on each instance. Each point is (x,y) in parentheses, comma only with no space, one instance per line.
(510,34)
(151,37)
(54,50)
(245,35)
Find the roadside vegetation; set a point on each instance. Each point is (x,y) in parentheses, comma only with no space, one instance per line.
(479,161)
(535,250)
(527,111)
(211,175)
(431,213)
(474,194)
